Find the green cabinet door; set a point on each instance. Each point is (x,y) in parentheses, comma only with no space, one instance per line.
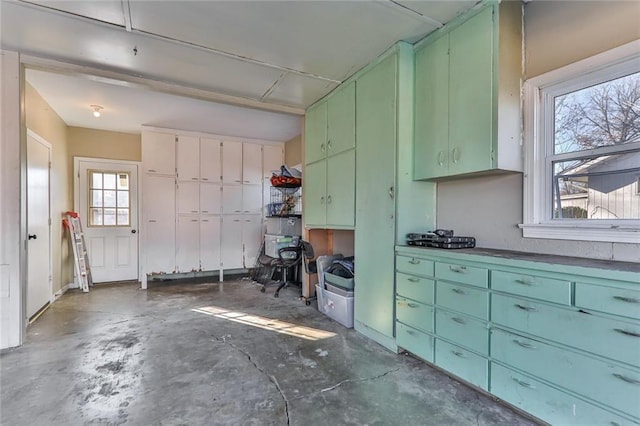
(431,139)
(375,181)
(471,89)
(315,133)
(341,119)
(340,194)
(315,176)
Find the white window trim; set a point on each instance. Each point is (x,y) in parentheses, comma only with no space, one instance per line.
(536,197)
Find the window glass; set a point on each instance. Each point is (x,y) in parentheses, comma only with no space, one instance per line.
(109,201)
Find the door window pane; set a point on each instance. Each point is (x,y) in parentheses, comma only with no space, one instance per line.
(96,198)
(96,180)
(109,198)
(123,198)
(95,217)
(123,217)
(123,181)
(109,217)
(109,180)
(107,205)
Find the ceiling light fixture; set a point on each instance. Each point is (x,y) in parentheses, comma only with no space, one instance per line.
(96,110)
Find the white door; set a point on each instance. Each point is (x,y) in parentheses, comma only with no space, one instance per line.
(231,240)
(251,163)
(210,243)
(187,244)
(210,167)
(232,199)
(107,200)
(210,195)
(187,156)
(159,151)
(251,238)
(39,289)
(251,199)
(231,162)
(188,197)
(159,232)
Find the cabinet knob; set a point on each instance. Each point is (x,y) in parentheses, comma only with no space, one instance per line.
(322,148)
(328,199)
(329,144)
(441,158)
(455,155)
(322,200)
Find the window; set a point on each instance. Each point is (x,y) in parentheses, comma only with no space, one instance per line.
(109,198)
(582,138)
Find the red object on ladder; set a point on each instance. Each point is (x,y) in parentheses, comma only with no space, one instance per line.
(80,256)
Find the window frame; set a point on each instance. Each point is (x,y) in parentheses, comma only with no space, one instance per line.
(538,104)
(89,207)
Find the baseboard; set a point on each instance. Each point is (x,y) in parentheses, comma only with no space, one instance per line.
(62,291)
(386,341)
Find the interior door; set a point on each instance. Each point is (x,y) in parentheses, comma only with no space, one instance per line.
(107,200)
(39,290)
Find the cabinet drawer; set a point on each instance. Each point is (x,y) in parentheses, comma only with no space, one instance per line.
(612,300)
(558,291)
(463,299)
(462,274)
(416,288)
(596,379)
(547,403)
(464,364)
(615,339)
(414,341)
(415,314)
(463,330)
(414,265)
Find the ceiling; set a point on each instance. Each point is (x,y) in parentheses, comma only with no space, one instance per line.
(270,55)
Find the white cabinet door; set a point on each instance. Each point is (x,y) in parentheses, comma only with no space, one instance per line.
(187,244)
(231,239)
(188,197)
(210,198)
(251,199)
(188,158)
(251,238)
(158,233)
(272,159)
(251,163)
(210,243)
(232,162)
(159,153)
(210,165)
(232,199)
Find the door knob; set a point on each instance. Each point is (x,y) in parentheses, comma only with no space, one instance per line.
(133,231)
(33,237)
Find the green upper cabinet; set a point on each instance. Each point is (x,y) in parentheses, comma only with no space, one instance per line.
(467,111)
(329,181)
(315,133)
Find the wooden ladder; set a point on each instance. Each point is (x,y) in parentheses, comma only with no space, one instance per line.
(80,256)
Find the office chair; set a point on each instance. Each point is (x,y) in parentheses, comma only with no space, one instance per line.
(288,257)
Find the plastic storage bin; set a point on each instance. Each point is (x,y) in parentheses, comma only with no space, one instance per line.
(338,281)
(335,306)
(284,226)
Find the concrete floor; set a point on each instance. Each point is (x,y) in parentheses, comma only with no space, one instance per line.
(219,354)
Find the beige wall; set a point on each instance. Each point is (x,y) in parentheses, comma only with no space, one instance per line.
(44,121)
(103,144)
(558,33)
(293,151)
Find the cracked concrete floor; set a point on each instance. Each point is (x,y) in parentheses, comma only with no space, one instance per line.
(188,353)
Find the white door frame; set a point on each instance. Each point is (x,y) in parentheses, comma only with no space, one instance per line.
(76,190)
(44,142)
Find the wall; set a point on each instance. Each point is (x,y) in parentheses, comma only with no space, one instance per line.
(489,208)
(103,144)
(293,151)
(44,121)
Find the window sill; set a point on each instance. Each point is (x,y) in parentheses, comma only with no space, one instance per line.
(583,232)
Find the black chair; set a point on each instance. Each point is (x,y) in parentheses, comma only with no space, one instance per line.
(288,257)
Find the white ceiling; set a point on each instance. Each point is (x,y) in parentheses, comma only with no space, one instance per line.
(277,55)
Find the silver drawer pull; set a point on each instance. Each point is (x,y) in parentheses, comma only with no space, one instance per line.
(626,379)
(627,332)
(523,383)
(412,305)
(458,353)
(457,290)
(525,308)
(458,269)
(414,261)
(524,282)
(413,280)
(523,344)
(411,332)
(627,299)
(458,320)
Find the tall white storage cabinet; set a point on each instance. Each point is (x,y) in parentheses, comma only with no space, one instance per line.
(202,202)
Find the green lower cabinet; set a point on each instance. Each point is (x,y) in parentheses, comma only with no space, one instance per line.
(549,289)
(414,341)
(547,402)
(416,288)
(615,300)
(415,314)
(465,299)
(611,384)
(465,274)
(315,191)
(612,338)
(464,330)
(465,364)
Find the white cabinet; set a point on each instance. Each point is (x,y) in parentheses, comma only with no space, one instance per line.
(231,162)
(251,199)
(159,153)
(251,163)
(210,198)
(251,238)
(210,161)
(187,155)
(187,244)
(159,222)
(210,243)
(188,195)
(232,199)
(231,240)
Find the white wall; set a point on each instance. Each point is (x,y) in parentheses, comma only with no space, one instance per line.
(12,221)
(489,208)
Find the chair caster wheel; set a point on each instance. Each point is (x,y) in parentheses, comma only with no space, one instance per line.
(262,290)
(308,302)
(276,295)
